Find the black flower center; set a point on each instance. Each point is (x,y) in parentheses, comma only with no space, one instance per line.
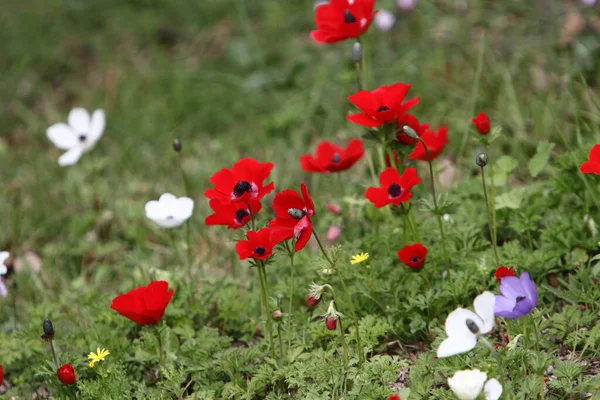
(383,108)
(260,251)
(82,138)
(336,158)
(296,213)
(348,17)
(472,326)
(240,215)
(520,298)
(415,259)
(394,190)
(241,187)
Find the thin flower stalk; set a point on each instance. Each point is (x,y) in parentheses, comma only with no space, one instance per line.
(265,299)
(489,215)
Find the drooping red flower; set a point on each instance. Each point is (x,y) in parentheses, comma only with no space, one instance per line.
(66,374)
(242,183)
(394,397)
(331,323)
(313,301)
(413,256)
(381,106)
(258,246)
(482,123)
(1,375)
(332,158)
(292,217)
(592,165)
(395,188)
(503,272)
(435,141)
(342,19)
(144,305)
(234,215)
(413,122)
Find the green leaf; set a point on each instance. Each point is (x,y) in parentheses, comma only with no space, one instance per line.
(507,164)
(540,160)
(512,199)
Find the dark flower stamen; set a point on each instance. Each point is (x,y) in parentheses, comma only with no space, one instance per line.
(336,158)
(241,187)
(260,251)
(383,108)
(472,326)
(82,138)
(240,215)
(520,298)
(296,213)
(394,190)
(415,259)
(348,17)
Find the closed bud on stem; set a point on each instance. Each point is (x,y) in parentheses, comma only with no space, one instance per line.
(331,316)
(48,329)
(410,132)
(177,145)
(481,160)
(357,53)
(277,315)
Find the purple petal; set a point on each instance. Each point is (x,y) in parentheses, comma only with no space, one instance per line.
(504,304)
(524,307)
(510,286)
(508,314)
(529,287)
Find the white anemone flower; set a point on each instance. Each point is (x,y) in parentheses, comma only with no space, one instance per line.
(170,211)
(463,327)
(79,136)
(468,384)
(4,255)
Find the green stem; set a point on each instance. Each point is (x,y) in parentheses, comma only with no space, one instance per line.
(344,345)
(280,340)
(187,223)
(493,199)
(291,253)
(251,217)
(160,346)
(323,249)
(54,357)
(265,297)
(490,218)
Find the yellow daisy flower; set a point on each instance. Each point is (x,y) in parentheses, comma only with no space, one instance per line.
(100,355)
(358,258)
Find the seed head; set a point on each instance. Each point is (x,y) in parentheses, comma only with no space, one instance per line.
(177,145)
(410,132)
(481,160)
(48,329)
(357,53)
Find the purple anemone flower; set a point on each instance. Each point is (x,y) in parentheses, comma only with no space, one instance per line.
(519,296)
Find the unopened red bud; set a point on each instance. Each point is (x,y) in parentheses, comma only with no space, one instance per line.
(66,374)
(277,315)
(334,208)
(331,323)
(312,301)
(334,233)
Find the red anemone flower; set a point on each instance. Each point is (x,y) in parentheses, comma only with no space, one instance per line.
(258,246)
(381,106)
(146,304)
(482,123)
(411,121)
(592,165)
(394,397)
(234,215)
(242,183)
(332,158)
(413,256)
(395,188)
(502,272)
(292,217)
(435,141)
(342,19)
(66,374)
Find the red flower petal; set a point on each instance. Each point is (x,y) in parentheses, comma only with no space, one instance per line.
(413,256)
(146,304)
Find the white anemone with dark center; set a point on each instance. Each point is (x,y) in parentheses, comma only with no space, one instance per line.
(169,211)
(78,136)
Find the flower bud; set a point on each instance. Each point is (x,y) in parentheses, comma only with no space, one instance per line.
(66,374)
(277,315)
(481,160)
(48,328)
(334,233)
(177,145)
(331,323)
(357,53)
(410,132)
(313,301)
(334,208)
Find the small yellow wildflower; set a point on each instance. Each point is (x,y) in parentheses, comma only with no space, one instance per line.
(100,355)
(358,258)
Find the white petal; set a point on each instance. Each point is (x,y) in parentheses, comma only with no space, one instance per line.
(70,157)
(62,136)
(167,198)
(3,269)
(467,384)
(97,125)
(153,209)
(492,389)
(456,323)
(456,345)
(484,307)
(79,119)
(185,207)
(4,255)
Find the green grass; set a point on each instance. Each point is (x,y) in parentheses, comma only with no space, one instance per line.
(240,78)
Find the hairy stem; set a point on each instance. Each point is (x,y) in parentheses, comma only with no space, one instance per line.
(490,217)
